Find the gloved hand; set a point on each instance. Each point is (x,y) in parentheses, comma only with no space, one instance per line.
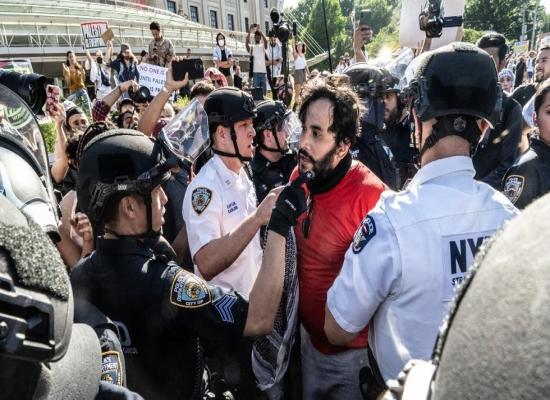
(289,206)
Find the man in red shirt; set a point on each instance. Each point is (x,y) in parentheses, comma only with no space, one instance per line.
(341,193)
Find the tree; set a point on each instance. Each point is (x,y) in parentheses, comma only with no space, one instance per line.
(381,13)
(472,35)
(336,23)
(502,16)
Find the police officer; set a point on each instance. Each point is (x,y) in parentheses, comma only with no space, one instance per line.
(397,130)
(276,129)
(419,243)
(529,178)
(368,82)
(159,308)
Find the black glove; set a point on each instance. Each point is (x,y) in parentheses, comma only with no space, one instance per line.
(290,204)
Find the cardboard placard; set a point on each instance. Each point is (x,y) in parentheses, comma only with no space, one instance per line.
(410,34)
(521,47)
(152,77)
(92,34)
(108,35)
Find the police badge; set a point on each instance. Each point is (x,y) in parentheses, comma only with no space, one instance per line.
(200,199)
(513,187)
(364,234)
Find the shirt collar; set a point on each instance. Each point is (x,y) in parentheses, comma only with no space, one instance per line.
(123,246)
(227,176)
(442,167)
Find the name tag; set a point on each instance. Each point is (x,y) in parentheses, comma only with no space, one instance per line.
(232,207)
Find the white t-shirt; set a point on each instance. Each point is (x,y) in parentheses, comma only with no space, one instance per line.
(275,53)
(299,62)
(258,52)
(215,203)
(408,257)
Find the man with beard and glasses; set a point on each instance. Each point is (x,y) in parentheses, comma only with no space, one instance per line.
(340,194)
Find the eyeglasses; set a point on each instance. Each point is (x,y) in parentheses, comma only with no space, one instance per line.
(306,223)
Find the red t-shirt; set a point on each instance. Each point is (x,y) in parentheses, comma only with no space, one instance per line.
(335,217)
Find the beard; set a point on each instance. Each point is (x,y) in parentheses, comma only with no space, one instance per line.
(323,167)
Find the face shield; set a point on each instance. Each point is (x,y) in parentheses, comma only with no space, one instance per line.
(186,136)
(292,128)
(21,135)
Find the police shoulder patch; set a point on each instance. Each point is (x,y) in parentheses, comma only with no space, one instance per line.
(111,368)
(513,187)
(200,199)
(364,234)
(189,291)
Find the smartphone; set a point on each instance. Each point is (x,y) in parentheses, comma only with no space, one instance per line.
(193,66)
(53,94)
(365,18)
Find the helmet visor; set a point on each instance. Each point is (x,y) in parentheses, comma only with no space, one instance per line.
(292,128)
(186,136)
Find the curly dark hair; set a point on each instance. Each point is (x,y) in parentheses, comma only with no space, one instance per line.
(346,111)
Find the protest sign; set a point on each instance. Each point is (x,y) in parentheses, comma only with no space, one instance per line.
(521,47)
(92,34)
(152,77)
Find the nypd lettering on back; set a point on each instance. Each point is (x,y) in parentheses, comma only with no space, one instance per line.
(459,252)
(189,291)
(364,234)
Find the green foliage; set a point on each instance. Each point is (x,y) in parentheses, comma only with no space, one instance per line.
(472,35)
(387,39)
(48,131)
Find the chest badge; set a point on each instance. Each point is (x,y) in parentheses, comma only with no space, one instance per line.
(200,199)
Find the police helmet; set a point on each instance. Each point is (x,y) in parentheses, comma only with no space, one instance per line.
(389,82)
(365,79)
(494,343)
(118,162)
(40,347)
(229,105)
(457,79)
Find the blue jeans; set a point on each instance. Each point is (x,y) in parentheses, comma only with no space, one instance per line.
(331,376)
(260,80)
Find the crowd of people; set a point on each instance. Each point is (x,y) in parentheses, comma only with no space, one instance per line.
(311,251)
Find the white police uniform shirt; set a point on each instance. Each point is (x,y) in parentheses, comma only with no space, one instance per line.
(215,203)
(408,257)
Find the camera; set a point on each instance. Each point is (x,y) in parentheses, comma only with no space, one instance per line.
(140,96)
(432,20)
(30,87)
(280,26)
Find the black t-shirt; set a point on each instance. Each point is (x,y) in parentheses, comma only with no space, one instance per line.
(224,71)
(159,309)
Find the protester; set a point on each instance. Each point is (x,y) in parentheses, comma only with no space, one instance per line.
(215,76)
(529,178)
(75,75)
(257,52)
(521,69)
(342,65)
(404,265)
(125,65)
(506,79)
(274,63)
(301,70)
(530,66)
(161,49)
(100,74)
(223,58)
(237,78)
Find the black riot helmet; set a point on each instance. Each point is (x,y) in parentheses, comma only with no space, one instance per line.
(118,163)
(227,106)
(368,82)
(457,85)
(40,347)
(270,115)
(390,84)
(494,342)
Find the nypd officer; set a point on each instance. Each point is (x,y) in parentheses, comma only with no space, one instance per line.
(277,128)
(159,308)
(414,249)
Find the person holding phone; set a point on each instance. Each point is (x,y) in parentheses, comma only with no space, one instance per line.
(258,53)
(75,75)
(223,58)
(275,61)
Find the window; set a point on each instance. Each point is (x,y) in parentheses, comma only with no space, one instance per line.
(194,11)
(171,5)
(230,24)
(266,27)
(265,4)
(246,24)
(213,19)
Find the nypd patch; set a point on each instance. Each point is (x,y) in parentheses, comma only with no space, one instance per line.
(514,187)
(364,234)
(200,199)
(111,368)
(189,291)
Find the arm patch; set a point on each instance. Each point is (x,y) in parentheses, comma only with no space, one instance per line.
(111,368)
(513,187)
(189,291)
(200,199)
(364,234)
